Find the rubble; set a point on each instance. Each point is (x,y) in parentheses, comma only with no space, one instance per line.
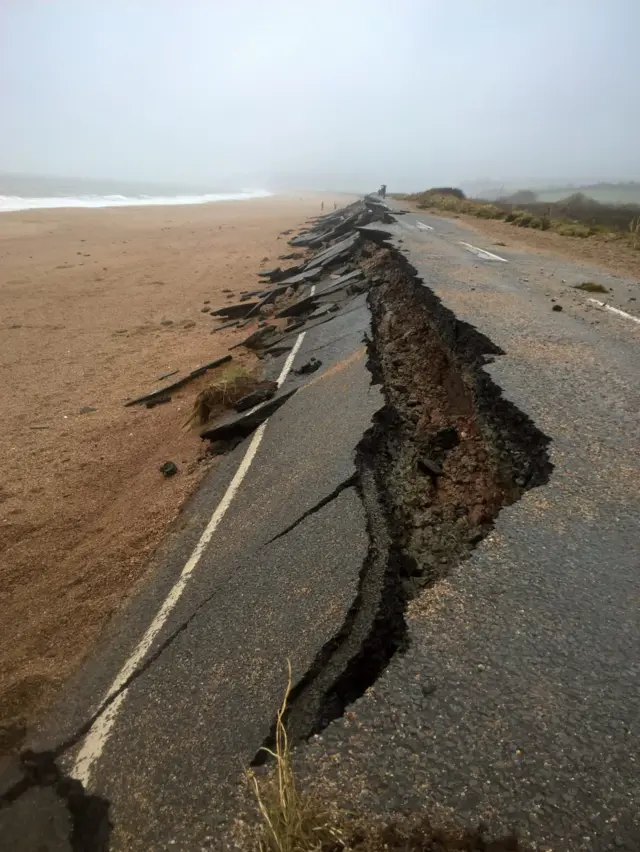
(336,239)
(237,311)
(168,469)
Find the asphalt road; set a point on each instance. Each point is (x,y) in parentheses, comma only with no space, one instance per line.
(178,740)
(517,701)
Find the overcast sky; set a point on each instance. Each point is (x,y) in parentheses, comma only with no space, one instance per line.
(323,93)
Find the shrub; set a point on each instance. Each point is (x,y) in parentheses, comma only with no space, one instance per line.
(524,219)
(448,190)
(489,211)
(590,287)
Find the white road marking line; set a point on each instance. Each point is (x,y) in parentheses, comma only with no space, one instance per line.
(95,741)
(483,253)
(423,226)
(614,310)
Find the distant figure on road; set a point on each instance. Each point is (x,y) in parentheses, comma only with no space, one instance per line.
(335,205)
(322,205)
(383,191)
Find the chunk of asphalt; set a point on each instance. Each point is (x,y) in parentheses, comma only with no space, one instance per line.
(338,284)
(167,375)
(168,469)
(237,311)
(241,425)
(376,234)
(162,392)
(266,299)
(322,310)
(276,350)
(229,324)
(266,336)
(300,240)
(303,277)
(269,273)
(333,253)
(298,308)
(311,366)
(159,401)
(256,397)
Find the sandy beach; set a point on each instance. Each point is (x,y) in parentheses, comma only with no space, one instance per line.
(95,306)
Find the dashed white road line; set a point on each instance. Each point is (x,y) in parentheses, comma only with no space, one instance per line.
(423,226)
(614,310)
(483,253)
(95,741)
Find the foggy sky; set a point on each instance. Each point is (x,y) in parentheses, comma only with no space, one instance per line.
(327,94)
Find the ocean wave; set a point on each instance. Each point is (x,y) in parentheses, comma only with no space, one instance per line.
(10,203)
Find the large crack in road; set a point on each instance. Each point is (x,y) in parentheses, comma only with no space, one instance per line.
(445,454)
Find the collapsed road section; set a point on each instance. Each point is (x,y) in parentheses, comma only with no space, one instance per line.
(389,453)
(445,454)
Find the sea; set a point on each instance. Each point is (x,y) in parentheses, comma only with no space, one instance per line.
(27,192)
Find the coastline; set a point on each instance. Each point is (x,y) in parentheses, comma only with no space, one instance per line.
(97,304)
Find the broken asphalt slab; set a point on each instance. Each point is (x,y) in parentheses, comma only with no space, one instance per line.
(237,311)
(298,308)
(166,390)
(243,424)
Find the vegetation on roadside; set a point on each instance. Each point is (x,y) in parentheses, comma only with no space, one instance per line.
(590,287)
(292,820)
(232,384)
(575,216)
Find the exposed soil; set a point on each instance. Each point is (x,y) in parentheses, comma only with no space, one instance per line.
(97,304)
(445,454)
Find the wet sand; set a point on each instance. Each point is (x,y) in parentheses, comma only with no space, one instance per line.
(95,306)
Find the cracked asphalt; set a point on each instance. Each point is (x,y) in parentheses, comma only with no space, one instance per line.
(276,583)
(517,701)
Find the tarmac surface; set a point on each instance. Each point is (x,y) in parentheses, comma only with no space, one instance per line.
(517,701)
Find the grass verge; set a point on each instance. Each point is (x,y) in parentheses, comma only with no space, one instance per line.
(576,216)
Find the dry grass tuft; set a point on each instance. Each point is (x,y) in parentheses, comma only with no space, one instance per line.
(291,821)
(590,287)
(234,383)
